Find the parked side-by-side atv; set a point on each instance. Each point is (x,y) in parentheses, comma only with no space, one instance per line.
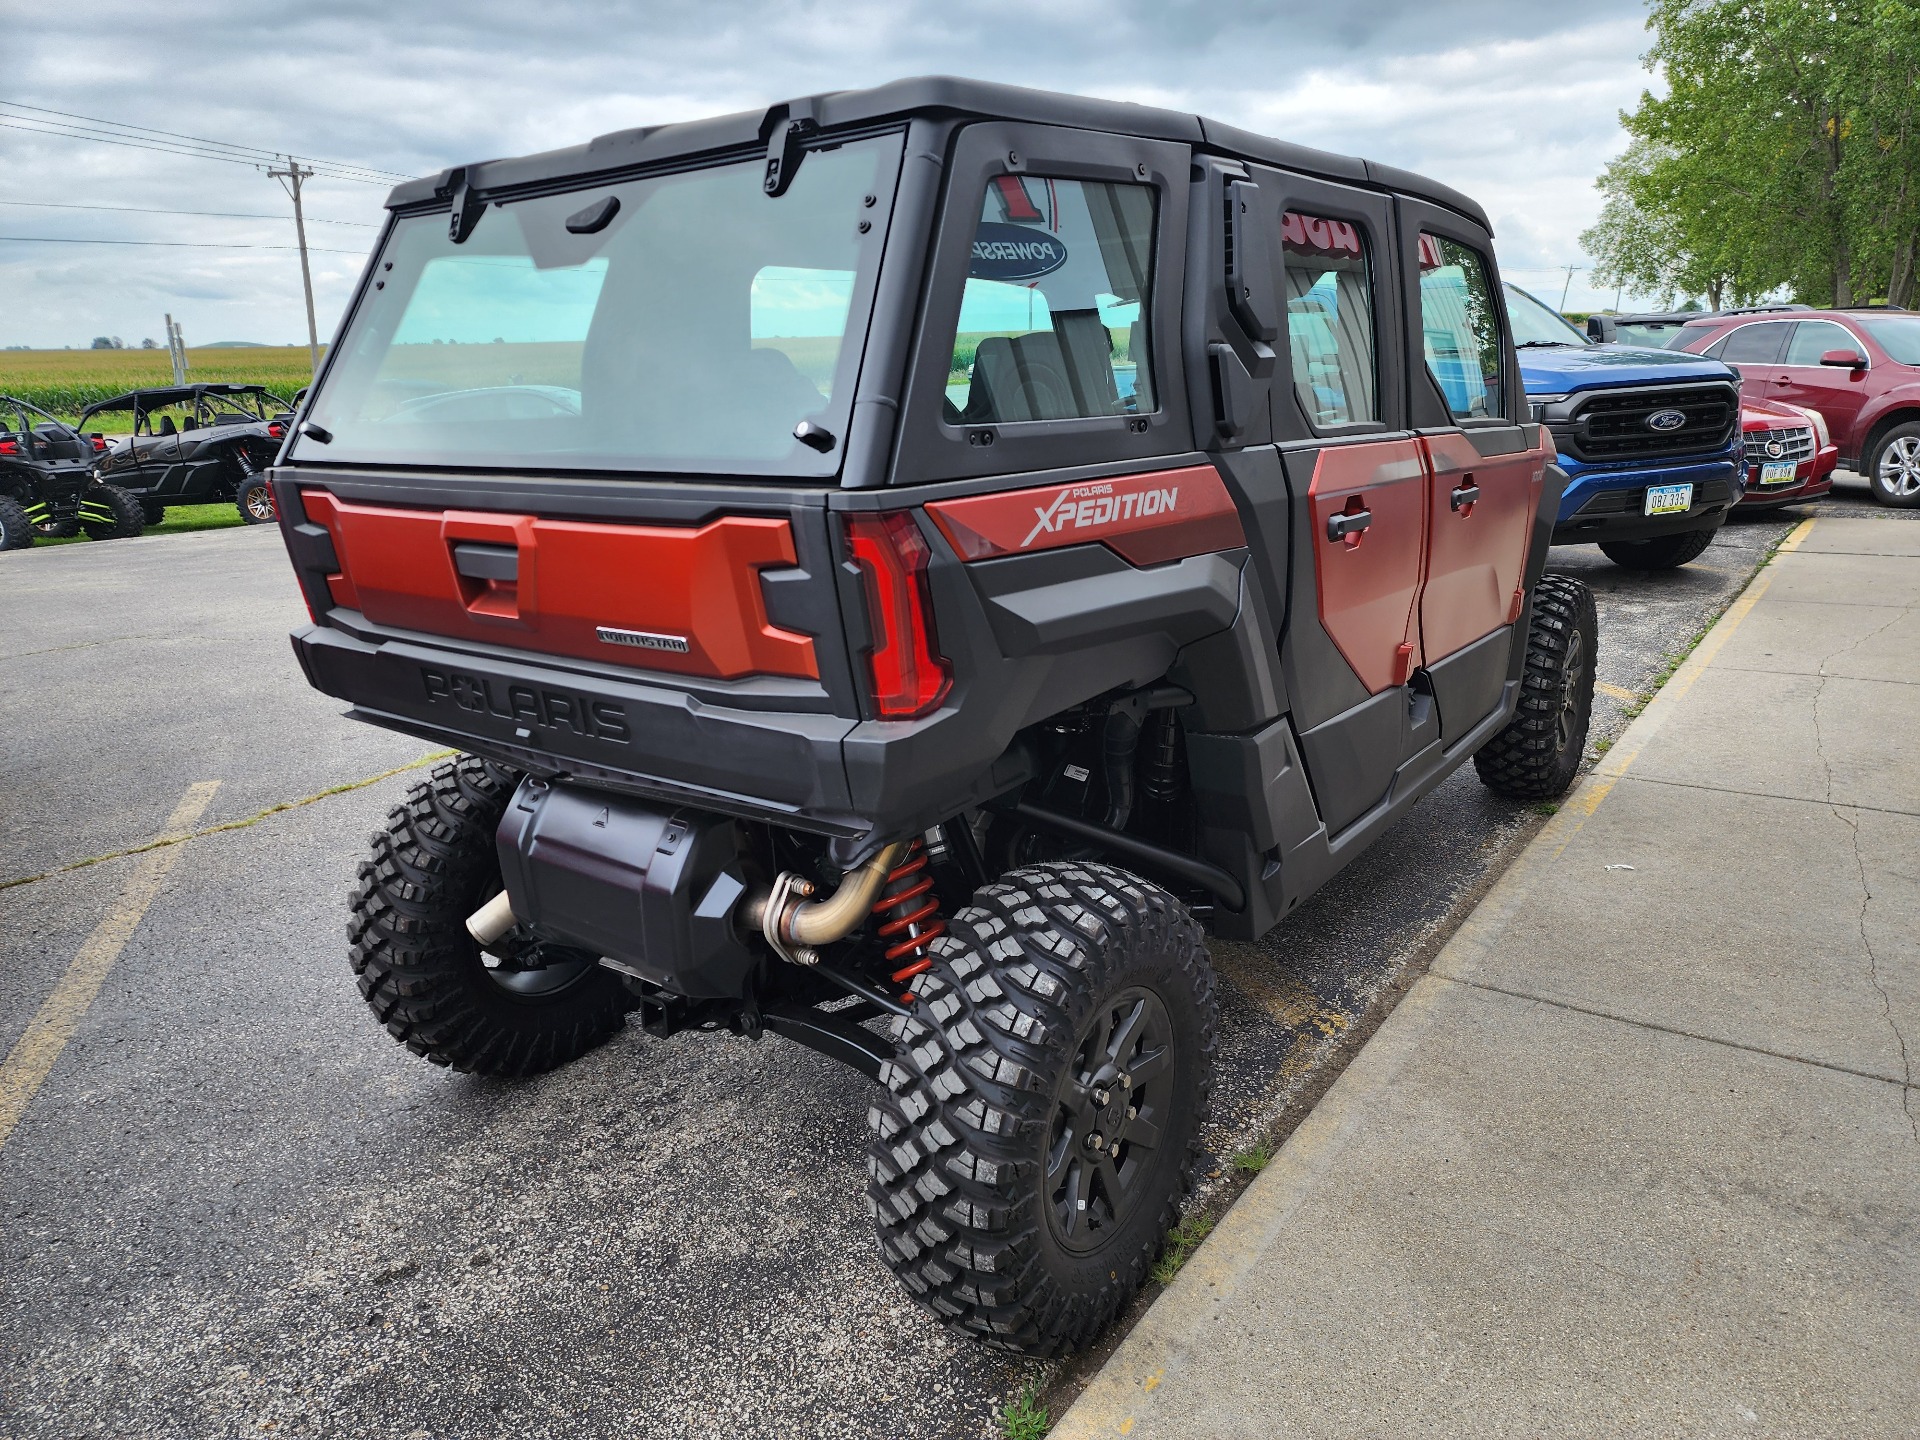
(904,568)
(47,489)
(196,445)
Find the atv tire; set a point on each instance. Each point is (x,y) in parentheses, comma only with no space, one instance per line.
(153,514)
(16,529)
(420,970)
(1538,754)
(1666,552)
(254,497)
(994,1207)
(127,520)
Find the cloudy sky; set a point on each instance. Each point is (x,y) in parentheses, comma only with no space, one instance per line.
(1516,109)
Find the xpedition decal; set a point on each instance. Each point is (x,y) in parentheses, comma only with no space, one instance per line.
(538,705)
(1148,519)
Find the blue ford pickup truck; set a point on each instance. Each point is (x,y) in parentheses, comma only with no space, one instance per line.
(1650,439)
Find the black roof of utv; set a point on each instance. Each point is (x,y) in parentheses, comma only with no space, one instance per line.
(939,95)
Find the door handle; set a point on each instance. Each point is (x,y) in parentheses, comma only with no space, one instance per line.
(1464,496)
(1351,523)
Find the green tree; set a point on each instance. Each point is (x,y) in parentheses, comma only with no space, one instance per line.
(1653,249)
(1785,153)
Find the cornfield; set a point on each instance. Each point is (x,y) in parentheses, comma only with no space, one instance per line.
(65,382)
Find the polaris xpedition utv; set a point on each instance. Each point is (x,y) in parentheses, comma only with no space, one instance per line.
(917,555)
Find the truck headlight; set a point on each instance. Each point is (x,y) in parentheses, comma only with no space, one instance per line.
(1537,405)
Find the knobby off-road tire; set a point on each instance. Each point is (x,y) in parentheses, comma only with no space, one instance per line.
(1056,979)
(127,520)
(254,499)
(1538,754)
(152,513)
(420,970)
(1893,470)
(16,529)
(1666,552)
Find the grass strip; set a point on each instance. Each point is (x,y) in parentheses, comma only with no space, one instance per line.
(254,819)
(1025,1418)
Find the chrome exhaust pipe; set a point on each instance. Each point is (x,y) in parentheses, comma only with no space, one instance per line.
(491,921)
(795,926)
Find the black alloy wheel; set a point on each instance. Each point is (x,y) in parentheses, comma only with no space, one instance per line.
(1109,1116)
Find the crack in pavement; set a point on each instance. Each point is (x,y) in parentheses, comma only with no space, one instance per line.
(1860,864)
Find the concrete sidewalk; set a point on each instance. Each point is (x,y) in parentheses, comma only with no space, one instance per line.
(1641,1153)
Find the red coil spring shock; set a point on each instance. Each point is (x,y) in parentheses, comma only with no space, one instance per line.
(909,912)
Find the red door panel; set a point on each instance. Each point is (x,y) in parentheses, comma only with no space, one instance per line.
(1482,511)
(1368,579)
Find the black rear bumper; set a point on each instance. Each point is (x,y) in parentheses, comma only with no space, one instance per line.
(783,767)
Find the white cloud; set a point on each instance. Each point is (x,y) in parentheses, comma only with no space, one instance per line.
(1510,101)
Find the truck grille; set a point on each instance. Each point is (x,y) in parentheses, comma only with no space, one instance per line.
(1612,424)
(1795,444)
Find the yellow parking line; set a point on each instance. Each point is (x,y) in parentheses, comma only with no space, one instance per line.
(1618,692)
(54,1024)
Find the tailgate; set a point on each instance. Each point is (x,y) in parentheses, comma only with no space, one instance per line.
(677,600)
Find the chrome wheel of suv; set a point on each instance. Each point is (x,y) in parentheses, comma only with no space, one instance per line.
(1895,477)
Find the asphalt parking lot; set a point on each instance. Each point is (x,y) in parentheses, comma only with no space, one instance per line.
(236,1207)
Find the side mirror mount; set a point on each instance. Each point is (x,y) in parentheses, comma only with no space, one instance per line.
(1844,359)
(1603,328)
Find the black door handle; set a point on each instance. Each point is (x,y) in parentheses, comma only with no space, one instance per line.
(1340,526)
(1465,496)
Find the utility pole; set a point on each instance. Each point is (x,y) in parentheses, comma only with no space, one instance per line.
(290,179)
(176,352)
(1564,289)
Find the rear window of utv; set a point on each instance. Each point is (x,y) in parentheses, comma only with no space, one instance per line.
(693,331)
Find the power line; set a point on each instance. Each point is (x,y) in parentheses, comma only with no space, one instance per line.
(32,126)
(254,152)
(15,122)
(213,214)
(170,244)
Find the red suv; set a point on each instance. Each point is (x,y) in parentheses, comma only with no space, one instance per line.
(1860,370)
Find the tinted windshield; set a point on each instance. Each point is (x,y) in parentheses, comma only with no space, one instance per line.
(691,331)
(1535,324)
(1898,335)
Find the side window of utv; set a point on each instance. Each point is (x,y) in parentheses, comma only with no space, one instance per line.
(1460,328)
(1053,321)
(1330,325)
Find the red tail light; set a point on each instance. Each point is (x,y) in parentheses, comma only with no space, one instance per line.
(9,447)
(276,430)
(99,443)
(910,675)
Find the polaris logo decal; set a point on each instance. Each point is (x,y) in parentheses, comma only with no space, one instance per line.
(1081,507)
(643,639)
(1014,252)
(527,706)
(1666,419)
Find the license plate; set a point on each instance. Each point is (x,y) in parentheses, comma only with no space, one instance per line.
(1778,472)
(1669,499)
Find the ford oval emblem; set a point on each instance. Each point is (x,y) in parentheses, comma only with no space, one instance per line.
(1014,252)
(1666,419)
